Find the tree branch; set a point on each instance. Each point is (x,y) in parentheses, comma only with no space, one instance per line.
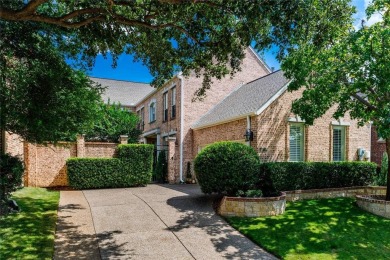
(364,102)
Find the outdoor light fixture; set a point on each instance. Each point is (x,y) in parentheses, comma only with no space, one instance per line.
(248,135)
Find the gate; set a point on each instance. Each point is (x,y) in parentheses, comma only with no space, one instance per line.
(159,173)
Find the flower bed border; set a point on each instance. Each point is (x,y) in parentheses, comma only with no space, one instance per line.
(375,204)
(252,207)
(272,206)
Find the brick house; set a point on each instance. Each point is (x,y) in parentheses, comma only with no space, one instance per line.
(167,113)
(254,103)
(263,106)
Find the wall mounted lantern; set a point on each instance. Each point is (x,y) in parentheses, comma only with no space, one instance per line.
(248,135)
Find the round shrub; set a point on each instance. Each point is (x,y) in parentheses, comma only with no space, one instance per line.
(226,168)
(10,178)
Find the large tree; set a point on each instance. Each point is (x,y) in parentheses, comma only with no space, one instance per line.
(41,97)
(205,36)
(113,121)
(351,72)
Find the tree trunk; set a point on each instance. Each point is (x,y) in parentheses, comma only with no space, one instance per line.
(388,168)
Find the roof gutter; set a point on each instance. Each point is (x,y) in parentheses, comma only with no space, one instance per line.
(180,76)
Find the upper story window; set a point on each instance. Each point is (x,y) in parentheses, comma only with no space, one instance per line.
(141,115)
(165,110)
(152,111)
(338,143)
(173,101)
(297,141)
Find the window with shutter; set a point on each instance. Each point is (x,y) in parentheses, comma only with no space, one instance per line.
(338,143)
(152,112)
(173,100)
(165,110)
(297,142)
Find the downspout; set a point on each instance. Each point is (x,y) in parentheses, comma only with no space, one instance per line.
(181,124)
(248,126)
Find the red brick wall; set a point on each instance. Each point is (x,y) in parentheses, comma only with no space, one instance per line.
(378,147)
(13,145)
(45,165)
(271,133)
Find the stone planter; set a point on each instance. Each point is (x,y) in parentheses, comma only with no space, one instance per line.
(252,207)
(376,204)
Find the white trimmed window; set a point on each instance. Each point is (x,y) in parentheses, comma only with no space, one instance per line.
(152,111)
(297,141)
(173,101)
(165,103)
(141,115)
(338,143)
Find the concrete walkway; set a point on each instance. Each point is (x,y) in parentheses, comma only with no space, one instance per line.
(153,222)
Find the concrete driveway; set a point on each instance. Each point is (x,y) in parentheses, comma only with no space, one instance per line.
(153,222)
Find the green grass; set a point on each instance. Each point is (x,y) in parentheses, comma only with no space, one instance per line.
(320,229)
(30,233)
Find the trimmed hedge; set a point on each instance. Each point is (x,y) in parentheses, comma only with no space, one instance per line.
(226,168)
(11,176)
(132,168)
(285,176)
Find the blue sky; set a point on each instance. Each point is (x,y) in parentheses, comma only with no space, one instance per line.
(129,70)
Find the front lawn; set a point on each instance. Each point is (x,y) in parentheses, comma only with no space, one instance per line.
(320,229)
(30,233)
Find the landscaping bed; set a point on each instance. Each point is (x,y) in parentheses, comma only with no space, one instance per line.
(29,234)
(320,229)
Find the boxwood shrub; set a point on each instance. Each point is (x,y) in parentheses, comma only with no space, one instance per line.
(226,168)
(11,175)
(132,168)
(284,176)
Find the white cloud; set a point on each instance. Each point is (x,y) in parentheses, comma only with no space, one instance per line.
(361,14)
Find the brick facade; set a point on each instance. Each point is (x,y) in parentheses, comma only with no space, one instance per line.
(378,147)
(13,145)
(45,165)
(271,133)
(157,132)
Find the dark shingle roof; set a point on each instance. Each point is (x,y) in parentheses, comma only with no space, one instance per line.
(245,100)
(126,93)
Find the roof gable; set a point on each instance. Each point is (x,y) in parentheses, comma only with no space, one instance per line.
(127,93)
(249,99)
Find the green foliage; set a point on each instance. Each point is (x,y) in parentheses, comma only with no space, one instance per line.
(136,152)
(226,168)
(381,177)
(29,234)
(350,72)
(207,37)
(320,229)
(132,168)
(11,172)
(250,193)
(41,97)
(89,173)
(284,176)
(161,171)
(112,122)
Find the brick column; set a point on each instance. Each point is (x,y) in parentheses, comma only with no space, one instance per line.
(80,150)
(171,159)
(123,139)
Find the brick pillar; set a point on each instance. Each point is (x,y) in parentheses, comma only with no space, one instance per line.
(123,139)
(171,159)
(80,150)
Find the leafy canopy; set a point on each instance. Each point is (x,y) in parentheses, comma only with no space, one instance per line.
(113,121)
(204,36)
(41,97)
(352,71)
